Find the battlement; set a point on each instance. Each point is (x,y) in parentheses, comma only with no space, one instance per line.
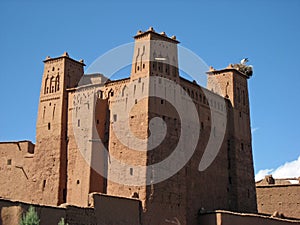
(64,55)
(161,35)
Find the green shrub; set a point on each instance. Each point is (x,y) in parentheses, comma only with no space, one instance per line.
(62,222)
(30,217)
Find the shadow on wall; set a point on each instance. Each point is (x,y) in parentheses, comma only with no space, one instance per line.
(104,210)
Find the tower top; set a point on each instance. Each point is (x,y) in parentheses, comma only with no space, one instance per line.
(64,55)
(152,32)
(243,70)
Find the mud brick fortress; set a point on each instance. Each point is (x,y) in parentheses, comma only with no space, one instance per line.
(56,177)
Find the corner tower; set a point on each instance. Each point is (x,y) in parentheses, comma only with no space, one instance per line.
(232,84)
(50,178)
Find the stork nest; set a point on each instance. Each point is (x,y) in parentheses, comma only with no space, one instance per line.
(247,70)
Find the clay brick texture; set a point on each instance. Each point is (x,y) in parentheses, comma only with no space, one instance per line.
(279,197)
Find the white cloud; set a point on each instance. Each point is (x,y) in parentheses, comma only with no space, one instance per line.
(287,170)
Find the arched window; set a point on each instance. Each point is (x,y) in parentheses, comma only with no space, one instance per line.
(111,93)
(57,83)
(136,60)
(52,85)
(123,90)
(46,89)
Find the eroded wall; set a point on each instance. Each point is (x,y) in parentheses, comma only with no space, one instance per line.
(16,168)
(279,198)
(104,210)
(230,218)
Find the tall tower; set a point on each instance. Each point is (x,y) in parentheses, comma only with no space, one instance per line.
(50,178)
(232,84)
(155,57)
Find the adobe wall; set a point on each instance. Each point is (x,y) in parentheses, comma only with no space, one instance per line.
(16,169)
(187,191)
(281,198)
(105,210)
(229,218)
(11,212)
(116,210)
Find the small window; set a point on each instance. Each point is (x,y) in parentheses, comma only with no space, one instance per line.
(78,181)
(78,123)
(44,184)
(100,94)
(49,126)
(115,117)
(131,171)
(138,68)
(112,94)
(161,101)
(242,146)
(97,121)
(143,66)
(9,162)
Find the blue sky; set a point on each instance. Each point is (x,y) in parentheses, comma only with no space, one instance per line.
(220,32)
